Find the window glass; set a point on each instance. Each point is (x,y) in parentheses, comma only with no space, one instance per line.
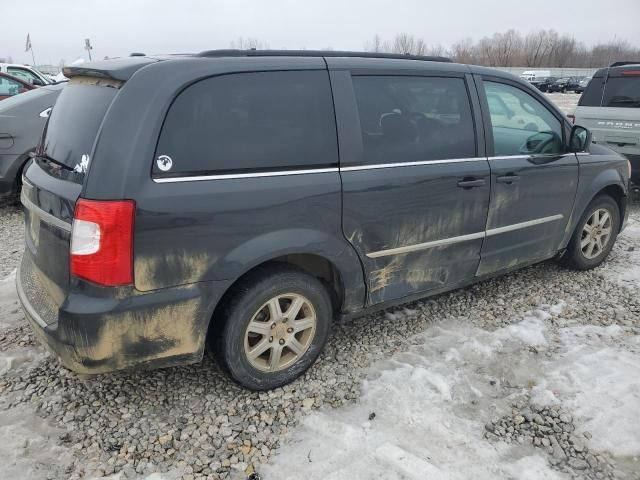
(593,93)
(22,74)
(249,122)
(622,92)
(74,122)
(521,125)
(10,87)
(408,119)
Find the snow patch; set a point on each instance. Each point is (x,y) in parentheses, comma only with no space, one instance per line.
(623,265)
(28,449)
(11,313)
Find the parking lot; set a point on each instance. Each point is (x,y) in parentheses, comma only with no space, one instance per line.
(532,375)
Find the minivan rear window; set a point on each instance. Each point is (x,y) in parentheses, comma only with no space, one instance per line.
(76,118)
(622,92)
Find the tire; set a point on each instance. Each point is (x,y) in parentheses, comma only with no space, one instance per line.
(255,302)
(564,90)
(578,254)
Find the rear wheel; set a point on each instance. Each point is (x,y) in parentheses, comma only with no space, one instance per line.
(595,234)
(275,328)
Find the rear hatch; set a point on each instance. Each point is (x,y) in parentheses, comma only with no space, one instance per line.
(52,184)
(610,108)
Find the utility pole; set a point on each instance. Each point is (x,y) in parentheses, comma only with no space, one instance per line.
(88,47)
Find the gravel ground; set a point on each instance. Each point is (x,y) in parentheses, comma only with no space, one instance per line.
(195,420)
(191,422)
(12,238)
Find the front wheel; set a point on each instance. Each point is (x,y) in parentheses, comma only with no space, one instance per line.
(595,234)
(275,328)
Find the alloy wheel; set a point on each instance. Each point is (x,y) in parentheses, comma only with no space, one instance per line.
(596,233)
(280,332)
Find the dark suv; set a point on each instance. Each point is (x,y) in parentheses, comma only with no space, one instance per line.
(246,199)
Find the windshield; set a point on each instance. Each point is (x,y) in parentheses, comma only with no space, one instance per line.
(76,118)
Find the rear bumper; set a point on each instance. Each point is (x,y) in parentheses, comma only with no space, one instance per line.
(93,334)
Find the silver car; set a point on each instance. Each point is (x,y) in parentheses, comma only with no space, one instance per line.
(610,108)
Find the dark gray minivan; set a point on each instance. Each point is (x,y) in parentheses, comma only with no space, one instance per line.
(245,199)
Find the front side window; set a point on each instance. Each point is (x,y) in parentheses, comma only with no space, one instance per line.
(249,122)
(9,87)
(409,119)
(22,74)
(521,125)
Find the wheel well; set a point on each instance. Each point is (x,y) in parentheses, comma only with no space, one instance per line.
(314,265)
(615,192)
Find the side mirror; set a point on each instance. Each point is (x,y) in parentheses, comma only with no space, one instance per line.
(37,82)
(580,139)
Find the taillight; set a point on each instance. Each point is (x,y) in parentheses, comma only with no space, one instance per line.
(631,72)
(572,118)
(102,241)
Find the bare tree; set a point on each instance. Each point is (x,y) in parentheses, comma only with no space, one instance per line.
(463,51)
(248,44)
(374,45)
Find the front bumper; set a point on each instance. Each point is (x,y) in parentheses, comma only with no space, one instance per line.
(93,334)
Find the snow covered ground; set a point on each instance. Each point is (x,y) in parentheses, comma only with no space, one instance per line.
(421,414)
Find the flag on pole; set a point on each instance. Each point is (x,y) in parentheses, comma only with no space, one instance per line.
(28,47)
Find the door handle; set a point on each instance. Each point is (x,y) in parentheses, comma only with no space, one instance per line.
(471,183)
(508,179)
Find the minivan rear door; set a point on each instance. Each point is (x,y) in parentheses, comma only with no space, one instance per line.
(54,180)
(415,189)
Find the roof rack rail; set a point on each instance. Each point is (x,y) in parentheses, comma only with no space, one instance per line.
(316,53)
(622,64)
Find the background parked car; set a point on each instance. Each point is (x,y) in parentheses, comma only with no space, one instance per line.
(582,84)
(543,83)
(26,73)
(10,86)
(610,108)
(22,119)
(564,84)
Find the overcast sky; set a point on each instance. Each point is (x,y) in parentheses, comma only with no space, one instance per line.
(117,27)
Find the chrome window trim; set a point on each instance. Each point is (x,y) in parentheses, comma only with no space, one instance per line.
(463,238)
(44,216)
(524,155)
(231,176)
(411,164)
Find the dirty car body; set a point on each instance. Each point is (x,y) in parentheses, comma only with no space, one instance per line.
(382,208)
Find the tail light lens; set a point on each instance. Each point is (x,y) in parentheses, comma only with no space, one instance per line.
(102,241)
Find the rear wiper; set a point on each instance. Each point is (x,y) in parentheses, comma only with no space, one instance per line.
(46,157)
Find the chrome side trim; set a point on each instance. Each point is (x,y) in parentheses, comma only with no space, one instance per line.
(535,155)
(426,245)
(411,164)
(45,216)
(231,176)
(462,238)
(25,301)
(517,226)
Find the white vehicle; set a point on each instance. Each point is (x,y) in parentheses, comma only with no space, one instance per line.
(533,75)
(26,73)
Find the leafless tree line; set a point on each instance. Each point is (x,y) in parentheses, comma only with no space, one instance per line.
(541,48)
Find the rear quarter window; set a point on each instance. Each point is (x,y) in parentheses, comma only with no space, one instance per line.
(592,95)
(248,122)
